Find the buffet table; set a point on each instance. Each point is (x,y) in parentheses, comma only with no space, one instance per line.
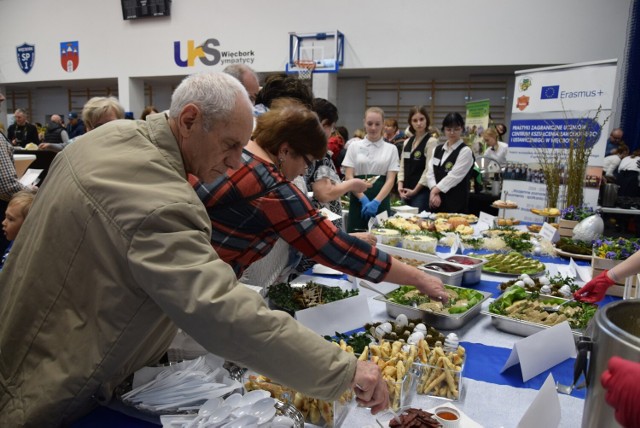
(490,398)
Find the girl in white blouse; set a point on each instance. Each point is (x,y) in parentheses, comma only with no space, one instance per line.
(366,159)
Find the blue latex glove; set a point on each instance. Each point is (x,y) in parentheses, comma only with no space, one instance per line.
(371,209)
(364,201)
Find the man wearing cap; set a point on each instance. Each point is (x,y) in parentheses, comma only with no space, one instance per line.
(76,125)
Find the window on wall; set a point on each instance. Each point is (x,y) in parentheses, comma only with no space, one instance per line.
(441,97)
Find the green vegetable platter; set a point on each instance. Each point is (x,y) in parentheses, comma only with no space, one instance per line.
(463,304)
(291,298)
(521,312)
(578,250)
(512,264)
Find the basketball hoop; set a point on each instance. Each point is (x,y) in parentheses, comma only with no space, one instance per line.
(305,69)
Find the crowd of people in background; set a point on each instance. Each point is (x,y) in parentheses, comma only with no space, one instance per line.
(248,175)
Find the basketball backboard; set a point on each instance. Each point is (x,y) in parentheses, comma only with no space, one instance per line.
(320,52)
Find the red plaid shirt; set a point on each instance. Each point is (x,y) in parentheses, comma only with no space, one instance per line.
(254,206)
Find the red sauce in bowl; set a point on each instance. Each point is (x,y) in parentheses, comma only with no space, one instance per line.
(447,416)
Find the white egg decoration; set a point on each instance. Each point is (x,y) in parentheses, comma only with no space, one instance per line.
(523,276)
(545,289)
(383,329)
(519,283)
(537,250)
(415,338)
(543,280)
(529,281)
(420,328)
(402,320)
(565,290)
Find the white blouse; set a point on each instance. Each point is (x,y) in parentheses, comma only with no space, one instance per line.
(371,158)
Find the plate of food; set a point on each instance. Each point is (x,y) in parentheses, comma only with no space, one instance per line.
(534,228)
(546,212)
(295,297)
(500,204)
(464,304)
(512,264)
(510,221)
(571,248)
(556,285)
(523,313)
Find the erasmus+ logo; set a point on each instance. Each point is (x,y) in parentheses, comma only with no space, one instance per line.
(554,92)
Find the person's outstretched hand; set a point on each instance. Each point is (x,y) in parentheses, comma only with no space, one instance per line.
(371,390)
(594,290)
(622,382)
(371,209)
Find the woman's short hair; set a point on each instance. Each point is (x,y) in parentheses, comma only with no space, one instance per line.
(288,121)
(284,86)
(97,107)
(215,94)
(415,110)
(391,122)
(325,110)
(452,120)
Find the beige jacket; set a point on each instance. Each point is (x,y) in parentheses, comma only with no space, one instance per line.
(115,254)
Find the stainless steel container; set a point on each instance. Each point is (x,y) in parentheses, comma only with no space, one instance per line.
(450,278)
(609,195)
(472,273)
(434,319)
(616,331)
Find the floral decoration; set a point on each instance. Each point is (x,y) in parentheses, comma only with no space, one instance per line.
(578,213)
(615,248)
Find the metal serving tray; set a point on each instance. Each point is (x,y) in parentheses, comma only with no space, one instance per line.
(473,273)
(525,328)
(450,278)
(436,320)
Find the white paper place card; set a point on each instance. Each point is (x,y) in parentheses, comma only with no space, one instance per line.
(582,272)
(486,218)
(30,176)
(549,232)
(329,215)
(543,350)
(342,315)
(544,411)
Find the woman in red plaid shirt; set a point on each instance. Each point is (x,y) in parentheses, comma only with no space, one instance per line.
(252,207)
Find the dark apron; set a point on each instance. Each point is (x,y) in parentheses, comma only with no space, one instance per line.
(355,222)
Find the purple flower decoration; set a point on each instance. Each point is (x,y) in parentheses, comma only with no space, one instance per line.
(611,255)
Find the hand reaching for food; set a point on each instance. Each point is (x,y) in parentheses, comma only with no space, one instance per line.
(594,290)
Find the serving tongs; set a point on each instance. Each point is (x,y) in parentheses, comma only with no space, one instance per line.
(585,345)
(368,286)
(556,308)
(372,180)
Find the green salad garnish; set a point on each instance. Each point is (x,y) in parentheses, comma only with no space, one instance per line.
(460,299)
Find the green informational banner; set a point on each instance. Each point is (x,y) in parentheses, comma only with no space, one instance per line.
(477,121)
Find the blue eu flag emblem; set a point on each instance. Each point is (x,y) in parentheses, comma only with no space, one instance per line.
(549,92)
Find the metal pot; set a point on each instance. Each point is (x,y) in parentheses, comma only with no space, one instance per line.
(609,195)
(616,332)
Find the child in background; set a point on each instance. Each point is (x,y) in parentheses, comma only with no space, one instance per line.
(15,214)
